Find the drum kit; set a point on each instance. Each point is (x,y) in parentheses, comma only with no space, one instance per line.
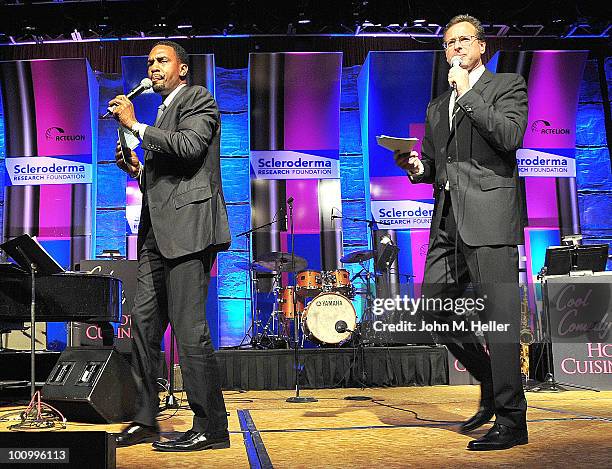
(322,300)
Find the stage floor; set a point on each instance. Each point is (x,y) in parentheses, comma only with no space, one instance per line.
(402,427)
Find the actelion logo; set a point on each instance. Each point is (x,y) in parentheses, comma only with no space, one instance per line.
(57,134)
(544,127)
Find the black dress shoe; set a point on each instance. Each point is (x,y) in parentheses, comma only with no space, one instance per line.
(484,414)
(195,441)
(136,433)
(500,437)
(188,435)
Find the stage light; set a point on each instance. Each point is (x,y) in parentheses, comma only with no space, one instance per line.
(386,253)
(76,35)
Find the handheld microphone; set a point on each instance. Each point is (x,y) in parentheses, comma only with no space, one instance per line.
(290,201)
(144,85)
(456,61)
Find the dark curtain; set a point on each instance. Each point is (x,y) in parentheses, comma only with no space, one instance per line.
(334,368)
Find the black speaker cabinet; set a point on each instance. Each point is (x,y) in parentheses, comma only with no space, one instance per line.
(93,385)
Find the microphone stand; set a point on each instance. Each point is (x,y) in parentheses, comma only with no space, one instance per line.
(38,414)
(360,353)
(368,310)
(296,322)
(370,222)
(33,272)
(171,402)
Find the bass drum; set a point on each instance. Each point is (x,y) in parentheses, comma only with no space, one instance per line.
(322,315)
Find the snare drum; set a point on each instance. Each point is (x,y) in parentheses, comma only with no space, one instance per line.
(285,303)
(324,313)
(308,283)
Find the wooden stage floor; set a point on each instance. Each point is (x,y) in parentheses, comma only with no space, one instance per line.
(400,428)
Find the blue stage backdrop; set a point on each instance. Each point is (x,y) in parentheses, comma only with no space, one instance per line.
(594,181)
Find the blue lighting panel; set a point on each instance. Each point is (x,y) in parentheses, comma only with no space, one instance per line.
(391,96)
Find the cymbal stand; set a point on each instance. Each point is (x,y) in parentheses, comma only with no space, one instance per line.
(296,320)
(250,335)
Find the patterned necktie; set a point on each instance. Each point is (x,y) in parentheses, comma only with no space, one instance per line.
(160,111)
(453,107)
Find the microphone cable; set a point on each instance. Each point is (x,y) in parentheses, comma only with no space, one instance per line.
(456,240)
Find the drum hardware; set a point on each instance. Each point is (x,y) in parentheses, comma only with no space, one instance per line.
(341,326)
(278,261)
(357,257)
(252,336)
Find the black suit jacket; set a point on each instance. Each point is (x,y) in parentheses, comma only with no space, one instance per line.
(479,159)
(183,198)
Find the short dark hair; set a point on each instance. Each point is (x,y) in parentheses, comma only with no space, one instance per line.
(480,33)
(180,52)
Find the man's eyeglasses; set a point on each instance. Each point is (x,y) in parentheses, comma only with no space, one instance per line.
(464,41)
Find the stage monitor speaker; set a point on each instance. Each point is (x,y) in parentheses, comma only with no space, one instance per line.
(93,385)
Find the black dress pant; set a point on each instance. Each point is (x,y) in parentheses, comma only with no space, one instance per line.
(451,265)
(175,291)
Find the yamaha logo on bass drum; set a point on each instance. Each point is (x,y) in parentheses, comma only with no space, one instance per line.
(329,303)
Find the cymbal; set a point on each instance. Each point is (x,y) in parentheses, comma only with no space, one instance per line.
(277,261)
(253,266)
(357,256)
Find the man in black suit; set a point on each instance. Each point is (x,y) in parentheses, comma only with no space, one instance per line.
(183,224)
(468,154)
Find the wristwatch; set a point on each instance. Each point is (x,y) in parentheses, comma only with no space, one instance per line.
(136,129)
